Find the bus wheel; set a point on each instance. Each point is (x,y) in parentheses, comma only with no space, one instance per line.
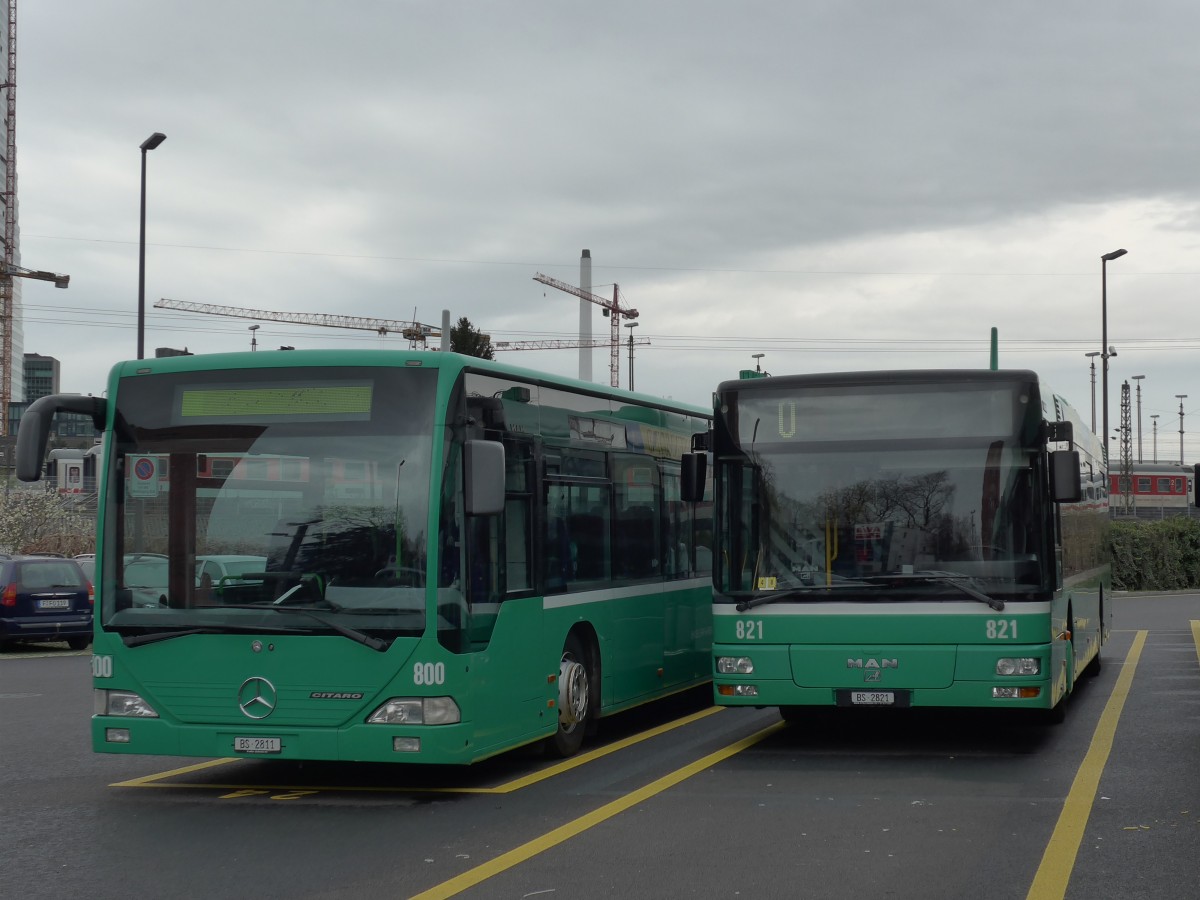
(1092,669)
(1056,715)
(574,698)
(78,643)
(793,715)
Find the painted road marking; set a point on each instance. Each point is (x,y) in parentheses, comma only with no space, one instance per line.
(565,832)
(247,790)
(1054,872)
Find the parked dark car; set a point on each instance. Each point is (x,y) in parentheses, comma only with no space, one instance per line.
(44,598)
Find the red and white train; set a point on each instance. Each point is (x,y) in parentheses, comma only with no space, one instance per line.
(1168,488)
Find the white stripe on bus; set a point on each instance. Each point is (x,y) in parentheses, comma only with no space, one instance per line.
(579,598)
(827,608)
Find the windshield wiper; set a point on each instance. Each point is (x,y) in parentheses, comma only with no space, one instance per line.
(773,596)
(353,634)
(154,637)
(953,579)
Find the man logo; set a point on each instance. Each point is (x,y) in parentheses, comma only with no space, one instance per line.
(872,664)
(872,668)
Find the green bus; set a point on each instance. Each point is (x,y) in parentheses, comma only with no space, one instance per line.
(381,555)
(901,539)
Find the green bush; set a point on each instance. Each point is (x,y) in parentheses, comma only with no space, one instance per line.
(1157,555)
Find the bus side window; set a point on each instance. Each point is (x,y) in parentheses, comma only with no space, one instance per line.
(588,535)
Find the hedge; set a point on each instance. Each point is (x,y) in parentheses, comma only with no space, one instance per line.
(1156,555)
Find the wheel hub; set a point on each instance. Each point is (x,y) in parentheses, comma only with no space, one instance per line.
(572,693)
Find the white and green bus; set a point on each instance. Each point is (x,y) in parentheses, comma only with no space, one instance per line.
(905,539)
(427,557)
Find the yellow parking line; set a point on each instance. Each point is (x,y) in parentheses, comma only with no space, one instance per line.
(149,779)
(1196,636)
(525,781)
(1054,873)
(565,832)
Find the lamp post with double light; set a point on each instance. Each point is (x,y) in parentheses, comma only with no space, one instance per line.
(1093,356)
(1181,397)
(631,326)
(1138,379)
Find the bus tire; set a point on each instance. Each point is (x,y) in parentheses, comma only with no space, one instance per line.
(793,715)
(574,698)
(1092,669)
(78,643)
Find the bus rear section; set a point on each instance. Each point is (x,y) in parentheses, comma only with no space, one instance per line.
(905,539)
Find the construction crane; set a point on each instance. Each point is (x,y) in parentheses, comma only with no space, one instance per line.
(555,345)
(413,331)
(612,308)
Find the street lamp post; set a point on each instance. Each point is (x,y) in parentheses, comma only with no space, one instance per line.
(631,326)
(1093,355)
(1154,419)
(254,337)
(1181,397)
(148,144)
(1105,350)
(1138,379)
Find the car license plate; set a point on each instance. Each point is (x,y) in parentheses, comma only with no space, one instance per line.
(54,603)
(257,745)
(872,698)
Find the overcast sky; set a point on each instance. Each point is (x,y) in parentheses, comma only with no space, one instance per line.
(837,185)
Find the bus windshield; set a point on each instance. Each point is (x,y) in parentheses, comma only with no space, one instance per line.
(864,508)
(271,500)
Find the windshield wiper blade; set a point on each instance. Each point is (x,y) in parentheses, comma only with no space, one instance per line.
(353,634)
(152,637)
(773,596)
(953,579)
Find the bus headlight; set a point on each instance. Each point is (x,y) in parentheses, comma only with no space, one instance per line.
(735,665)
(417,711)
(737,690)
(1021,665)
(121,703)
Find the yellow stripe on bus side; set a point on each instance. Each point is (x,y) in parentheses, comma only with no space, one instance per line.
(1054,873)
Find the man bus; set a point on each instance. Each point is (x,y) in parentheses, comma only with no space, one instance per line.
(905,539)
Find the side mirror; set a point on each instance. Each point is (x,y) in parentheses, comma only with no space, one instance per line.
(34,431)
(693,468)
(483,474)
(1065,483)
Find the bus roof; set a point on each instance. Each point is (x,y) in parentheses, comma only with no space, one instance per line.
(383,358)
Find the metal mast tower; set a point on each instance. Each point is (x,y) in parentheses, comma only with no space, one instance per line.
(8,208)
(1126,450)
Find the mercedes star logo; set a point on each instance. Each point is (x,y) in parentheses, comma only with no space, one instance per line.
(257,697)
